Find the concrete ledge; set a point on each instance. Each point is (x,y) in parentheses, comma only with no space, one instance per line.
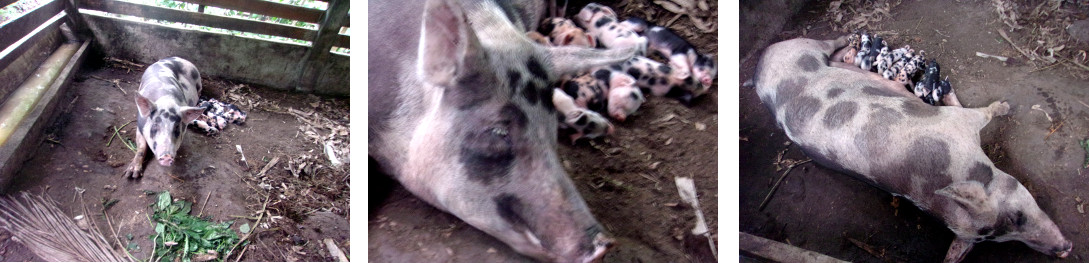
(240,59)
(25,140)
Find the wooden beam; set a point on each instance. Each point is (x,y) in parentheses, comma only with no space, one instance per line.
(773,251)
(17,29)
(343,41)
(49,27)
(5,3)
(327,33)
(75,19)
(152,12)
(273,9)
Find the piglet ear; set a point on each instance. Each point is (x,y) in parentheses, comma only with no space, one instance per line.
(968,194)
(447,44)
(143,105)
(621,80)
(191,113)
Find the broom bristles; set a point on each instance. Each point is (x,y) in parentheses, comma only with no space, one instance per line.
(41,227)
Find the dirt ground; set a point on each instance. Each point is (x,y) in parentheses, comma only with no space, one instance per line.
(302,211)
(627,180)
(820,210)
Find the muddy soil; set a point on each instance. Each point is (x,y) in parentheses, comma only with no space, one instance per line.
(627,180)
(830,213)
(303,210)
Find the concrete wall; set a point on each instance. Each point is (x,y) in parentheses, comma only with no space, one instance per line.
(253,61)
(761,22)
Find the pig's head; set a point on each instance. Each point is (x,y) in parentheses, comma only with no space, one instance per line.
(485,151)
(563,32)
(704,70)
(624,97)
(594,13)
(162,124)
(1004,212)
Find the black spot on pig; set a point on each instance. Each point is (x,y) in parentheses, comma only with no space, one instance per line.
(571,88)
(603,21)
(918,109)
(510,208)
(800,111)
(930,162)
(537,69)
(634,96)
(546,95)
(174,66)
(592,126)
(834,92)
(875,91)
(603,75)
(193,75)
(635,73)
(514,80)
(788,89)
(529,92)
(664,69)
(175,133)
(581,120)
(875,132)
(809,63)
(981,172)
(839,114)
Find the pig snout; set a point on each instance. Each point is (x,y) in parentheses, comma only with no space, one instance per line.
(166,160)
(1063,251)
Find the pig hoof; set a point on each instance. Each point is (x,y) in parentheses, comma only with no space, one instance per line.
(133,171)
(1000,108)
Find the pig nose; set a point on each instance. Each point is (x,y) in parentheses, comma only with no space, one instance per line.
(1063,251)
(602,243)
(166,160)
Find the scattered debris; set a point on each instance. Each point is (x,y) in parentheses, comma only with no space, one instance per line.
(268,166)
(850,16)
(985,55)
(1037,107)
(687,190)
(1085,145)
(178,234)
(336,253)
(775,186)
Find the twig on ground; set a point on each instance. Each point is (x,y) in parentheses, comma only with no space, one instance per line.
(269,166)
(1054,129)
(260,215)
(778,182)
(868,248)
(109,224)
(334,250)
(205,204)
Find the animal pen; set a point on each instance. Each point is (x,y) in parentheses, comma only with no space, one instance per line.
(69,71)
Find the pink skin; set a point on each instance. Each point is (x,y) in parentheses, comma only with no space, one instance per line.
(621,104)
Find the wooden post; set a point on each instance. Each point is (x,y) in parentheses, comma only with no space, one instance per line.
(310,68)
(75,20)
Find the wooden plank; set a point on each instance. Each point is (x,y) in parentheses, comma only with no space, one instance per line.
(778,252)
(343,41)
(323,42)
(49,28)
(24,142)
(146,11)
(20,27)
(5,3)
(265,8)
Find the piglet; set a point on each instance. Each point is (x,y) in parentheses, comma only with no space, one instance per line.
(624,97)
(683,56)
(601,22)
(563,32)
(580,122)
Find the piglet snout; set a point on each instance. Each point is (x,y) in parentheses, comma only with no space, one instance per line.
(166,160)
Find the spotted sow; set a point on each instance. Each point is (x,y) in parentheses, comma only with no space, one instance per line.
(863,125)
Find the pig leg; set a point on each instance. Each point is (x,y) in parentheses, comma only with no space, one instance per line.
(979,117)
(958,250)
(136,168)
(951,100)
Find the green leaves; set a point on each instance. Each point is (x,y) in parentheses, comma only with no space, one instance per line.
(180,236)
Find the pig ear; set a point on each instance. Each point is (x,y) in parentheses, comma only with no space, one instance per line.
(446,43)
(191,113)
(968,194)
(621,80)
(143,105)
(571,59)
